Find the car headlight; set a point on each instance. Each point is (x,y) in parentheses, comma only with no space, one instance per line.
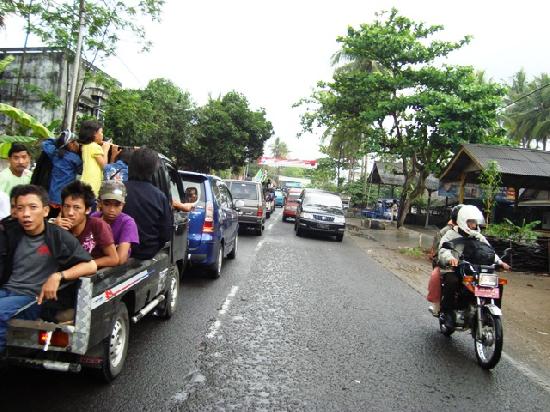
(306,215)
(339,219)
(488,280)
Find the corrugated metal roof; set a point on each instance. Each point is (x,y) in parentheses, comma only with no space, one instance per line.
(511,160)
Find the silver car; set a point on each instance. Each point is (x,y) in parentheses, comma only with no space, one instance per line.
(253,213)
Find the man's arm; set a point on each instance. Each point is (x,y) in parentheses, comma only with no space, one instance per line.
(49,289)
(110,257)
(122,251)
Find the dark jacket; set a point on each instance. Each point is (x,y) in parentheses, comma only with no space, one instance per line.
(65,248)
(153,215)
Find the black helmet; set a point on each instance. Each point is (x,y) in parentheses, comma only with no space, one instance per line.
(454,213)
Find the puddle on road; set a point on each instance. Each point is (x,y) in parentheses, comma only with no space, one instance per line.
(191,382)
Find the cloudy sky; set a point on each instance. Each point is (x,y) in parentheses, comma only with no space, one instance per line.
(274,52)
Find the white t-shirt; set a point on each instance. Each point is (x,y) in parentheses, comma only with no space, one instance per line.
(4,205)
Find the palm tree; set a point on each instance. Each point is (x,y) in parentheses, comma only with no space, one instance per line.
(279,149)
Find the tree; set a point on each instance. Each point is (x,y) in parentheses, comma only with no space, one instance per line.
(490,183)
(527,117)
(160,117)
(410,109)
(57,25)
(226,134)
(279,149)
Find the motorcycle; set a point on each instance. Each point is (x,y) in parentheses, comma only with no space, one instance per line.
(478,310)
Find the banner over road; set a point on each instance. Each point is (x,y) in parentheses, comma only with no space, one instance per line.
(278,162)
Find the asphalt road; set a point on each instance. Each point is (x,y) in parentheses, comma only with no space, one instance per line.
(292,324)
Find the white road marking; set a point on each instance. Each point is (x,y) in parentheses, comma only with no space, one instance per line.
(270,226)
(223,310)
(259,246)
(532,375)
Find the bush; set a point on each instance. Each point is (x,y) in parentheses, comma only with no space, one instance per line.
(510,231)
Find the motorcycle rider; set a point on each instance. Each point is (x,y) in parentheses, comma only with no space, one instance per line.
(466,239)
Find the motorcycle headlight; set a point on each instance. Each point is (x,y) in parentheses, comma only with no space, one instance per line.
(488,280)
(306,215)
(339,219)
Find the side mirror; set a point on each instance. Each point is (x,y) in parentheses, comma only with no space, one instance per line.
(237,204)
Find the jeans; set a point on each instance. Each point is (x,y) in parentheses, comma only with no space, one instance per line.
(10,303)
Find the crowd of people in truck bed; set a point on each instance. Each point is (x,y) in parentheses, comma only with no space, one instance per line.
(88,204)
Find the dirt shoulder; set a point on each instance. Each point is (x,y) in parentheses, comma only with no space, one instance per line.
(526,303)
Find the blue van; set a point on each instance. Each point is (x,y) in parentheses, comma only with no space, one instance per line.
(213,225)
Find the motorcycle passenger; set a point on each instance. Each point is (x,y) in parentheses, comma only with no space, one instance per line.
(434,284)
(467,241)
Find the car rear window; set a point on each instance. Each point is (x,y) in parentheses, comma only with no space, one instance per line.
(247,191)
(293,196)
(198,184)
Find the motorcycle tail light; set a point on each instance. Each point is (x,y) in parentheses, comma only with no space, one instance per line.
(468,279)
(503,281)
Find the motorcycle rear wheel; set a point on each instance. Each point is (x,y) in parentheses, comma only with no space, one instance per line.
(489,348)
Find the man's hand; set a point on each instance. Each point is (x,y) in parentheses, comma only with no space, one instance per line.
(63,222)
(505,266)
(115,152)
(49,289)
(453,262)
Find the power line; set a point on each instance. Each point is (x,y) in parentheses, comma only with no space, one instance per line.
(527,95)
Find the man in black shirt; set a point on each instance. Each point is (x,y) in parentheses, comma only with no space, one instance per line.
(35,257)
(147,204)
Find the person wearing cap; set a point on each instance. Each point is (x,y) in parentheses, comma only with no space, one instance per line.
(66,164)
(112,197)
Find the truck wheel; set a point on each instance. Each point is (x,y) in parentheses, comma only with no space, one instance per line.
(115,346)
(215,269)
(172,294)
(260,229)
(339,237)
(233,253)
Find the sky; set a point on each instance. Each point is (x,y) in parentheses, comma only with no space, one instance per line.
(275,52)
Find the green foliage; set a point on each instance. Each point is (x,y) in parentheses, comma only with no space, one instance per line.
(279,148)
(490,183)
(409,107)
(25,120)
(226,134)
(415,252)
(510,231)
(160,117)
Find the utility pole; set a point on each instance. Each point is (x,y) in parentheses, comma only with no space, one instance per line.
(76,69)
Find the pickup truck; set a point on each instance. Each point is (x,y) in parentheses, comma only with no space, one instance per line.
(106,303)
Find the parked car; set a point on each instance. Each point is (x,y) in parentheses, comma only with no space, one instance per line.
(320,212)
(253,213)
(99,334)
(213,224)
(291,204)
(279,198)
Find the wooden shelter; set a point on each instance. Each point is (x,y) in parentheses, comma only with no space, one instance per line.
(519,168)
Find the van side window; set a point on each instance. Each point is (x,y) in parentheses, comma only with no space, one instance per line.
(217,194)
(227,201)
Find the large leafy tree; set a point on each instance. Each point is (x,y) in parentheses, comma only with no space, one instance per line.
(410,108)
(227,133)
(159,116)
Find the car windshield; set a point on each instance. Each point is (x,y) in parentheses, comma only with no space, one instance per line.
(278,193)
(246,191)
(323,200)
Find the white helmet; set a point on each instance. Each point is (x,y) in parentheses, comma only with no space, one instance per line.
(469,213)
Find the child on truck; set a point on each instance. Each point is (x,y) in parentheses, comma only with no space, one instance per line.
(112,197)
(95,153)
(35,257)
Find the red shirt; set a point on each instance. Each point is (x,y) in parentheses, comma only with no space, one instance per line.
(96,235)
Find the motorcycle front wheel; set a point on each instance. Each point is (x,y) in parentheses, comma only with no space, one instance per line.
(489,345)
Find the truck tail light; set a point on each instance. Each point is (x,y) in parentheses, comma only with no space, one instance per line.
(259,212)
(58,338)
(208,226)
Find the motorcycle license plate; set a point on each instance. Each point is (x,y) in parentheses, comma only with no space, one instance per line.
(493,293)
